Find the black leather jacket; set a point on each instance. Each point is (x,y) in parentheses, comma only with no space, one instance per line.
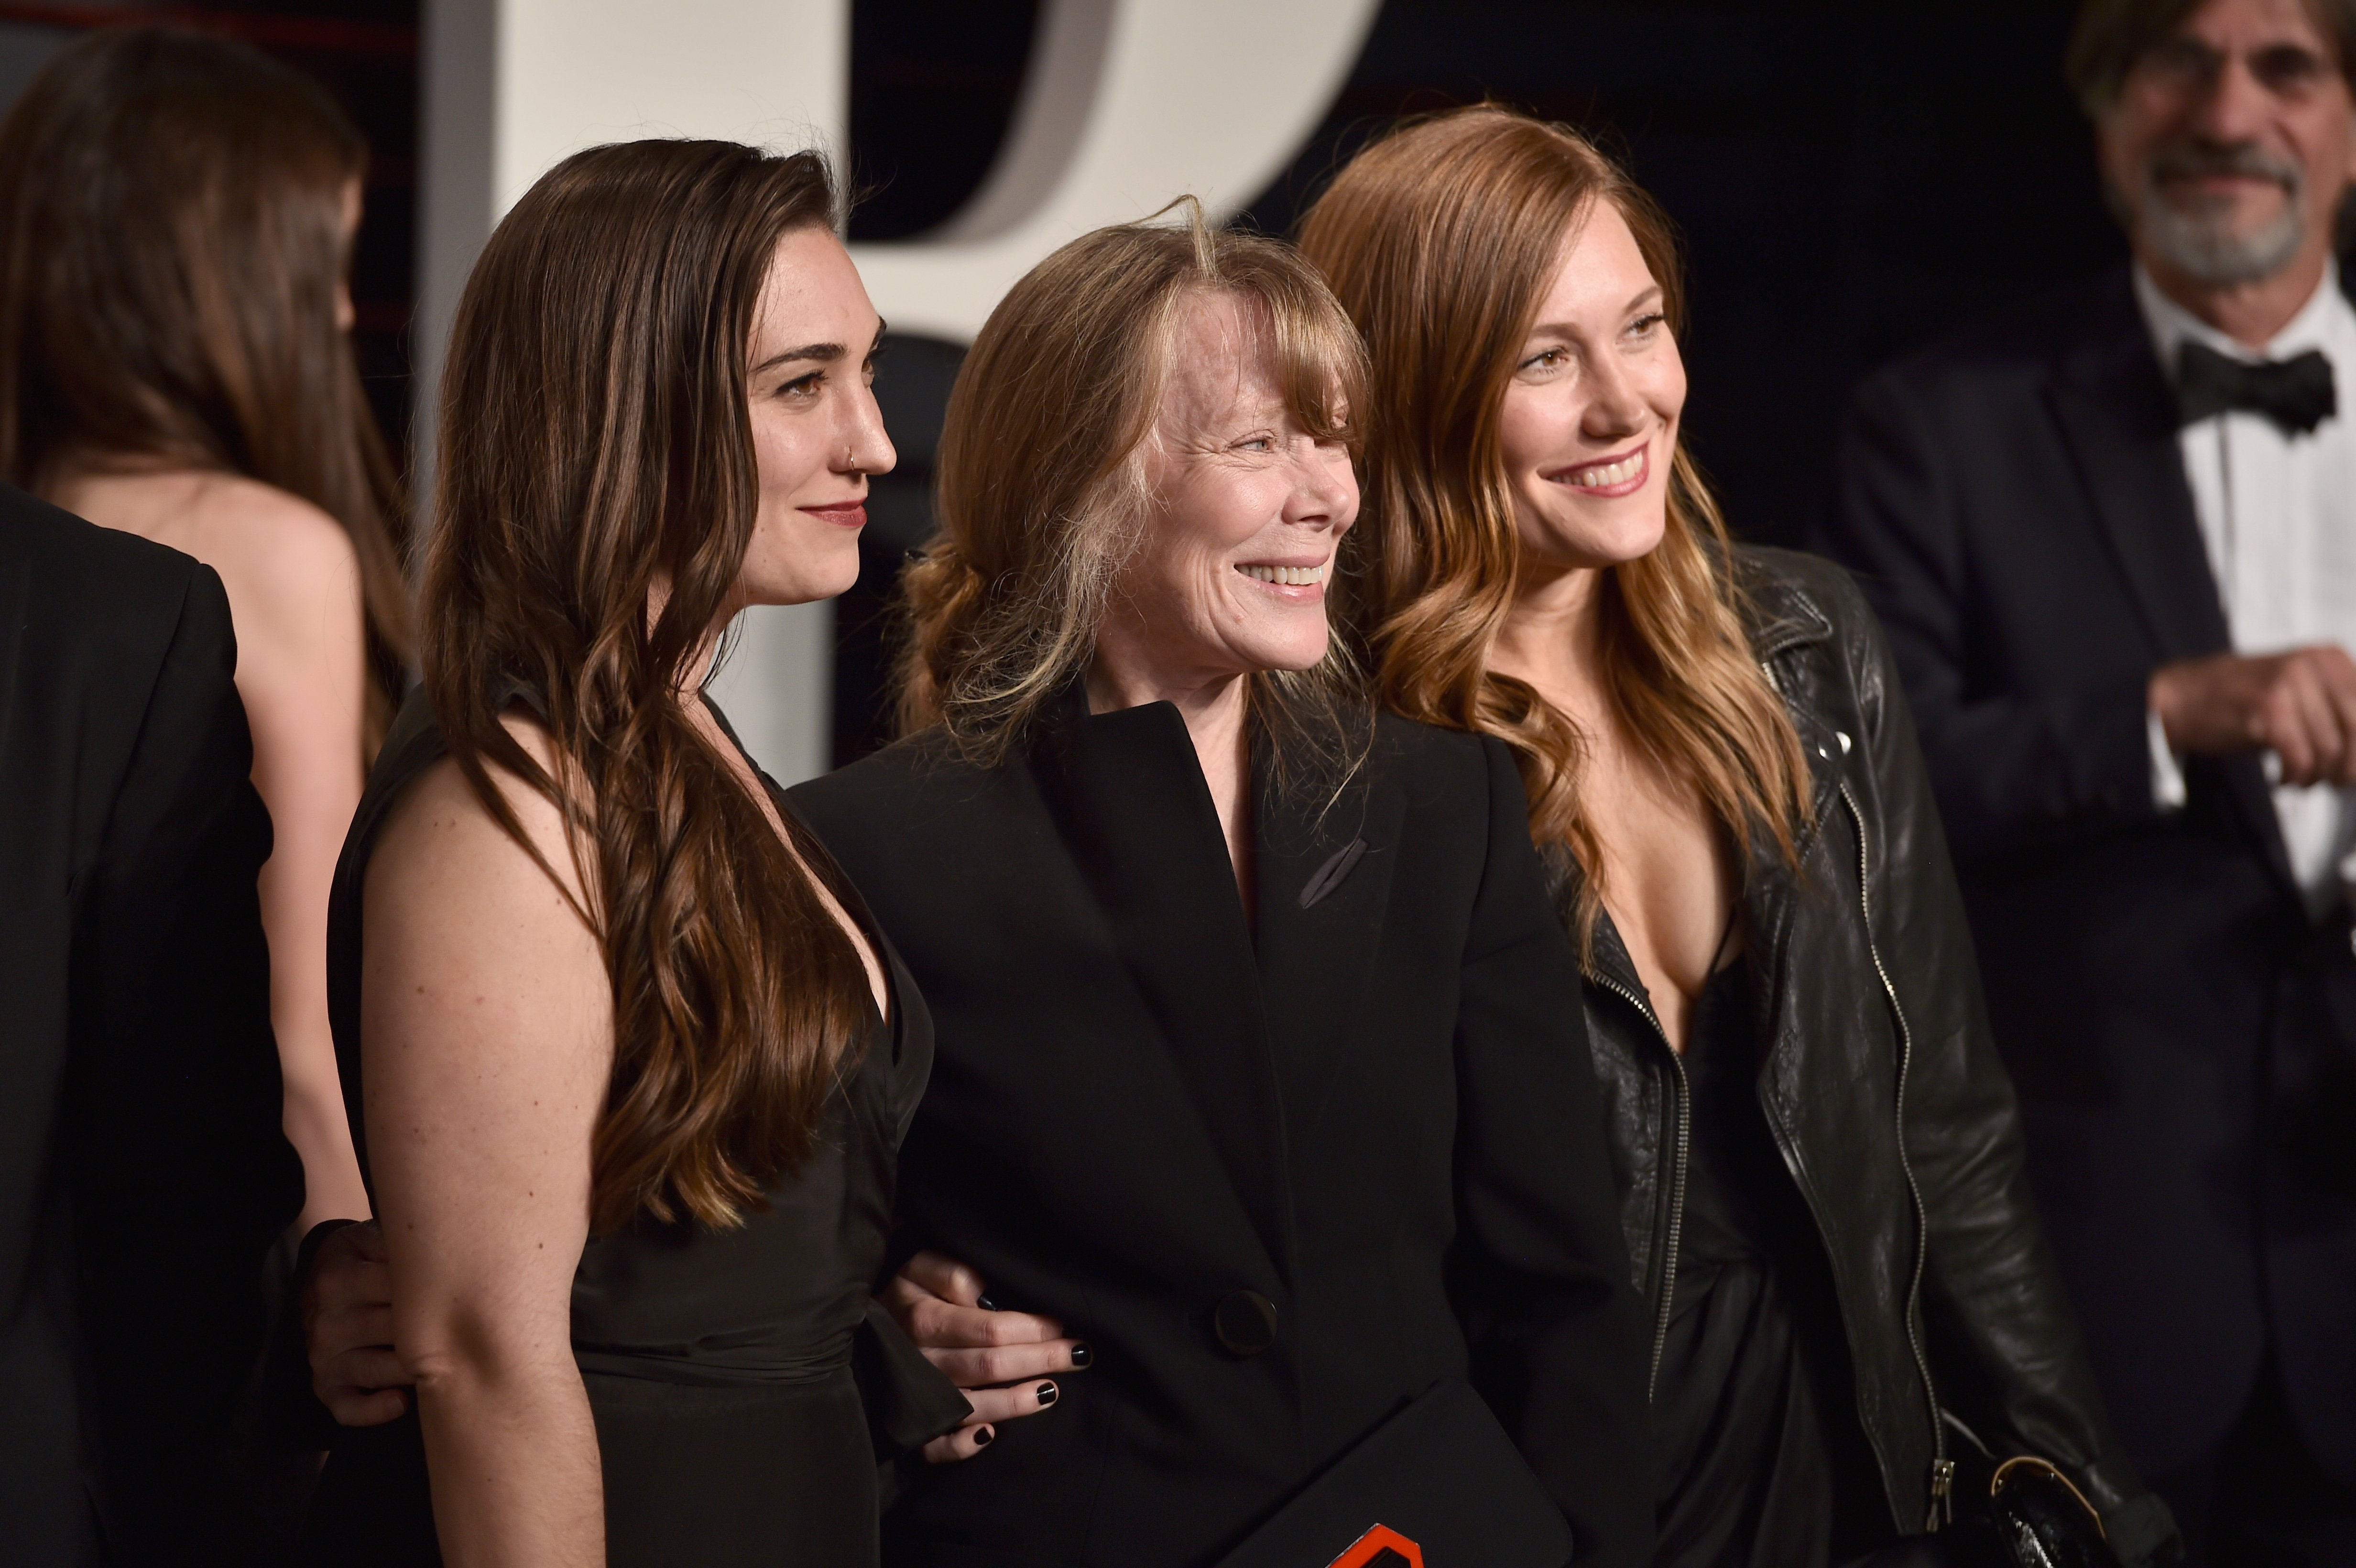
(1869,1001)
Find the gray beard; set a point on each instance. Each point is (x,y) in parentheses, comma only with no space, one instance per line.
(2203,247)
(2200,240)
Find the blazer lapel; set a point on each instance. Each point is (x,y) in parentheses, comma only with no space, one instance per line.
(1127,793)
(2120,420)
(2119,417)
(16,582)
(1322,883)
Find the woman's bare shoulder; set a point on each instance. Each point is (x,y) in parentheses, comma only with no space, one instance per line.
(291,570)
(284,552)
(226,521)
(440,838)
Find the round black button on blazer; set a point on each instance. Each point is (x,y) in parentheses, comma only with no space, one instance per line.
(1245,1322)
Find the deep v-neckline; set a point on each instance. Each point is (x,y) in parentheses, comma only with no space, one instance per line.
(854,919)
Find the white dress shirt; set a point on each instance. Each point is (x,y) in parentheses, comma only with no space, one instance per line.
(2277,512)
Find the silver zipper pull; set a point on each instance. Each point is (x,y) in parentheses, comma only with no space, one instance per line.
(1943,1492)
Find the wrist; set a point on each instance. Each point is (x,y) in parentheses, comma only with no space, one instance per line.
(307,1254)
(2162,700)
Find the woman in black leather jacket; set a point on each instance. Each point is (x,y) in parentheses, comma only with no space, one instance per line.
(1817,1150)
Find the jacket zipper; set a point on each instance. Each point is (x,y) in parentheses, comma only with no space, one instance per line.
(1942,1469)
(1676,1179)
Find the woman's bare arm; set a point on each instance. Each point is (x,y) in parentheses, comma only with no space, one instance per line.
(295,601)
(487,1030)
(294,588)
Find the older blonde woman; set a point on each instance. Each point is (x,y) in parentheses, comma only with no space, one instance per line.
(1260,1066)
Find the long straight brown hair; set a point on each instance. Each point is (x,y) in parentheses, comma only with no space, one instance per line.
(595,446)
(1441,239)
(171,244)
(1043,492)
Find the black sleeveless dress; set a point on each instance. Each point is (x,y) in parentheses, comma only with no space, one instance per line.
(719,1365)
(1764,1463)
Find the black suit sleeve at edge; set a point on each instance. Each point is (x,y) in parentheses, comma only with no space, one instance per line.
(1540,1268)
(181,1175)
(2003,765)
(2004,1344)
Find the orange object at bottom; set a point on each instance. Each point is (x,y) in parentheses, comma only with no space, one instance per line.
(1379,1548)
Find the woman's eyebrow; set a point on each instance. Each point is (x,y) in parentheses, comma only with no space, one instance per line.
(824,352)
(1566,329)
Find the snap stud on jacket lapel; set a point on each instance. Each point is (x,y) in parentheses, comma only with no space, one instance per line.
(1324,882)
(1329,876)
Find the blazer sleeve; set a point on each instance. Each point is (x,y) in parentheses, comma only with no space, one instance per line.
(181,1177)
(2005,1345)
(1541,1269)
(2004,764)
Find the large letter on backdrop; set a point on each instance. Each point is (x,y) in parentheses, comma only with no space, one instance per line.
(1126,105)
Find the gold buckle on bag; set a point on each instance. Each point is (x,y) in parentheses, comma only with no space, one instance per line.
(2046,1467)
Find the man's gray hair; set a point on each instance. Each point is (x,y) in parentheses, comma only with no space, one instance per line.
(2111,34)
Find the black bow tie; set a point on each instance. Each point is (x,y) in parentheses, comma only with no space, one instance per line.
(2296,394)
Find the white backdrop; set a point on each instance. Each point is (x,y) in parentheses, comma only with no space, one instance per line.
(1126,105)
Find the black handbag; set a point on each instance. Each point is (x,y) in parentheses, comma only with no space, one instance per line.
(1439,1485)
(2022,1512)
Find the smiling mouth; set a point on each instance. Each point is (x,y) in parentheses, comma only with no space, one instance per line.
(1289,576)
(1613,475)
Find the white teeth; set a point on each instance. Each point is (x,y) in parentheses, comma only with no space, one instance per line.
(1288,576)
(1618,472)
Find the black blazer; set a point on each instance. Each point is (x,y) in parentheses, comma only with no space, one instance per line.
(1375,1112)
(143,1175)
(2014,504)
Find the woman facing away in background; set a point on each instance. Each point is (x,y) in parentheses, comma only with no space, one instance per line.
(1817,1150)
(176,214)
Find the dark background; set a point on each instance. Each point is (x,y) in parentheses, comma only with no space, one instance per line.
(1851,179)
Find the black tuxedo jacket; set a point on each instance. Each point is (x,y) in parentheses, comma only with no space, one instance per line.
(2014,505)
(143,1175)
(1373,1110)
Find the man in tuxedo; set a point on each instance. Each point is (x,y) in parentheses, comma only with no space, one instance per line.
(2113,541)
(143,1174)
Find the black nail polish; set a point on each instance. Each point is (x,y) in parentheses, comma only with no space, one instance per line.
(985,1304)
(1081,1355)
(1046,1393)
(981,1436)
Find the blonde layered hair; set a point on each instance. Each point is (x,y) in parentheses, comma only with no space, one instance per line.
(1441,239)
(1042,475)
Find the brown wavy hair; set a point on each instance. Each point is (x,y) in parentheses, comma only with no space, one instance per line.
(595,445)
(1042,487)
(1441,239)
(171,243)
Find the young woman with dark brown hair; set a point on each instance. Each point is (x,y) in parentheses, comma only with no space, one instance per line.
(629,1064)
(179,214)
(1818,1153)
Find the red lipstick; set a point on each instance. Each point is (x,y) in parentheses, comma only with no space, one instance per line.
(844,514)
